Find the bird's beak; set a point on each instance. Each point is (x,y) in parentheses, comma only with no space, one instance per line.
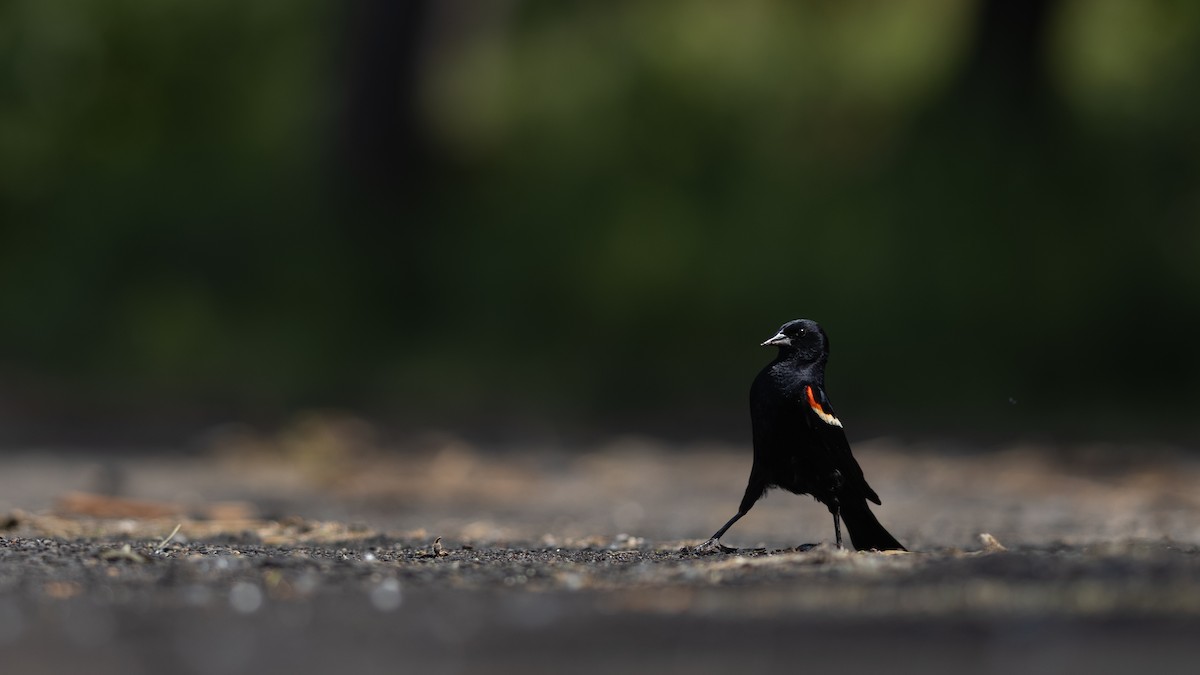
(780,340)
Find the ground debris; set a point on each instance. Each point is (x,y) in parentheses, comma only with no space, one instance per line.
(990,543)
(107,506)
(125,553)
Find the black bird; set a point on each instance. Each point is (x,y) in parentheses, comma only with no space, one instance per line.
(799,444)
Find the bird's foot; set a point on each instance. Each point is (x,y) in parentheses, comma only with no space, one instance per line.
(709,547)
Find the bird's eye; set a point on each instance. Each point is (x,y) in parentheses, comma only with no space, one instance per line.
(801,333)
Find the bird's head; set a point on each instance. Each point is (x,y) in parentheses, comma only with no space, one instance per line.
(802,339)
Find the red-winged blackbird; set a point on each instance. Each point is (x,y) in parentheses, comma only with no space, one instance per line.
(799,444)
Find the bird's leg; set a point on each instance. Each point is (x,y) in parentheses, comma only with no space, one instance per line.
(836,509)
(754,490)
(713,545)
(835,506)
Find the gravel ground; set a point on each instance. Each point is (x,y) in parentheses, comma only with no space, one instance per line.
(307,557)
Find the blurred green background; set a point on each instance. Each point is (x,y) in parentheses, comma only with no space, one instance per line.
(535,216)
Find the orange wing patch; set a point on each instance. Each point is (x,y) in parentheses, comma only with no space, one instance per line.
(825,417)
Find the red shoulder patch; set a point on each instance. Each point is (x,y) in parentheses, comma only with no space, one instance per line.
(825,417)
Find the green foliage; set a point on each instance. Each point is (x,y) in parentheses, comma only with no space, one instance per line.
(616,202)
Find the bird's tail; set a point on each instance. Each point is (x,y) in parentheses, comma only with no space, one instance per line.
(865,531)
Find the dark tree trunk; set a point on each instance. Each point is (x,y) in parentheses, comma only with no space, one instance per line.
(1005,73)
(380,144)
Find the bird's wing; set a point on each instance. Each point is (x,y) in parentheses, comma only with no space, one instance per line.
(833,437)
